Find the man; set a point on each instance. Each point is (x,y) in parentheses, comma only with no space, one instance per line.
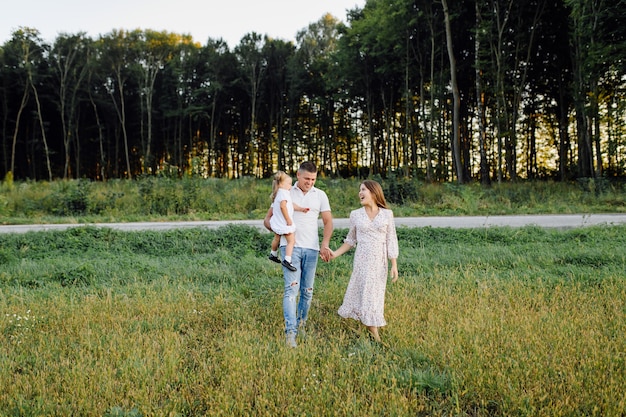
(306,250)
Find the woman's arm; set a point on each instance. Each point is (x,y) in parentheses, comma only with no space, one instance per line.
(394,269)
(349,242)
(345,247)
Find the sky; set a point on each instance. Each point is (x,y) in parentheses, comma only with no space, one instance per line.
(226,19)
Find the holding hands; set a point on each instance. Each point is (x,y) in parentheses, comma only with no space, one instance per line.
(328,254)
(325,254)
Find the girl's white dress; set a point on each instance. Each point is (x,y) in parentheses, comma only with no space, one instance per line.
(278,221)
(376,242)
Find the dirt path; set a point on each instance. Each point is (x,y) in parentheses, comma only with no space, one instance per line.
(564,221)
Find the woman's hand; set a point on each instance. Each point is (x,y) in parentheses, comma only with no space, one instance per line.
(394,273)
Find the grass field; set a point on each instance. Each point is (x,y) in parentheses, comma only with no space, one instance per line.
(505,322)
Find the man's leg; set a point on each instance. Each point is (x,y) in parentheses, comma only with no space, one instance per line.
(308,265)
(292,288)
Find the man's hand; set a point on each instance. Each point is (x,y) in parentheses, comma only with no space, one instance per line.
(325,254)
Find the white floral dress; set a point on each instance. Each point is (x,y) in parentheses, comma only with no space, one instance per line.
(375,242)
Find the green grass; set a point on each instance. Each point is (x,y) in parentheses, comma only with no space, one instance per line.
(159,199)
(520,322)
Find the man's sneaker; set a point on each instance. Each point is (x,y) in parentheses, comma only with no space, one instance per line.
(291,340)
(301,332)
(289,266)
(274,258)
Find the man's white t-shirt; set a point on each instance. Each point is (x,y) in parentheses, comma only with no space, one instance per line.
(307,229)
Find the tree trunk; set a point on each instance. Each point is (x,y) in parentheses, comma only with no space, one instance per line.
(17,127)
(121,115)
(43,130)
(480,106)
(456,143)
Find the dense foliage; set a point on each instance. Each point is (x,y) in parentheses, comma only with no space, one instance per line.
(506,89)
(154,198)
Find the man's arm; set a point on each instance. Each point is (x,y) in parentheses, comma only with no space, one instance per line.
(266,220)
(327,219)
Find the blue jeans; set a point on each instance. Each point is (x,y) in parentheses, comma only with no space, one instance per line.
(297,282)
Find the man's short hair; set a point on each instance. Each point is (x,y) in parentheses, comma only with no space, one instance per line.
(308,166)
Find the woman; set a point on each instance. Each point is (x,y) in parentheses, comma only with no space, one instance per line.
(372,227)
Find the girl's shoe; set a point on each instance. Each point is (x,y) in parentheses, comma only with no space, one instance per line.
(274,258)
(289,266)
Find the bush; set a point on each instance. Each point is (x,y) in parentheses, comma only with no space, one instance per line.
(398,189)
(153,198)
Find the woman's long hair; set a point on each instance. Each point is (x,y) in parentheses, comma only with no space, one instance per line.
(377,192)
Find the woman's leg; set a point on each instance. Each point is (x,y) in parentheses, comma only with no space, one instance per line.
(374,332)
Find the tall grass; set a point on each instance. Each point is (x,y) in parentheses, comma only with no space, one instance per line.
(162,198)
(486,322)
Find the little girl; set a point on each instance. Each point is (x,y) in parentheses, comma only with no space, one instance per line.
(281,220)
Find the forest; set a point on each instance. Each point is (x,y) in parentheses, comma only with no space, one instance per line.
(484,91)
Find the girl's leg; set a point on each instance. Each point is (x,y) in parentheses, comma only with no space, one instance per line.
(291,242)
(275,243)
(274,252)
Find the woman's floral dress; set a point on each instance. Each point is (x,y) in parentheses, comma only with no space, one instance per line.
(375,242)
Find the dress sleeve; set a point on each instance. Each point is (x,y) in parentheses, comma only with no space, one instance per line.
(392,239)
(351,236)
(282,195)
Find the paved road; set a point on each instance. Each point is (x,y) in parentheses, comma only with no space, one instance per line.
(564,221)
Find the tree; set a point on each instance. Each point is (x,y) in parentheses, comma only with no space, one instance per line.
(214,99)
(598,42)
(456,145)
(496,89)
(29,50)
(480,100)
(318,86)
(155,49)
(428,107)
(68,58)
(254,65)
(119,53)
(550,78)
(274,105)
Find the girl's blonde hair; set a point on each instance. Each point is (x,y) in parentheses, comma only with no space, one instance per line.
(377,192)
(278,178)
